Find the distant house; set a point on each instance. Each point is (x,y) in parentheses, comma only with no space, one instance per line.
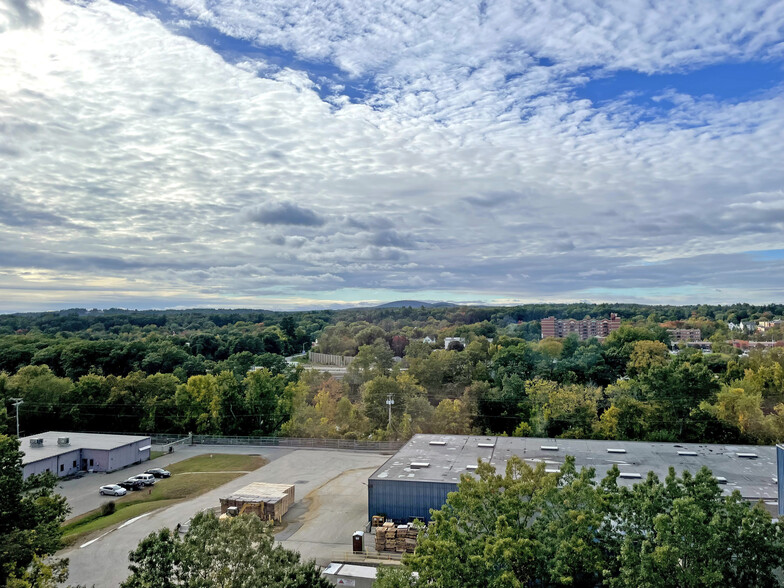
(429,340)
(449,340)
(764,326)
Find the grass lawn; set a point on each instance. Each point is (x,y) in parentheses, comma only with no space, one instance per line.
(220,469)
(218,462)
(82,526)
(154,454)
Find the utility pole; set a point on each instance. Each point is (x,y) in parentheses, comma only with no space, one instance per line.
(17,402)
(390,402)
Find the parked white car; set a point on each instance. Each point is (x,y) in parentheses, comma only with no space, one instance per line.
(113,490)
(148,479)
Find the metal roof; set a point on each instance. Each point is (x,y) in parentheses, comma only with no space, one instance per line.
(77,441)
(753,477)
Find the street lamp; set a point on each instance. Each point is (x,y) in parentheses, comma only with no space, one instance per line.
(17,403)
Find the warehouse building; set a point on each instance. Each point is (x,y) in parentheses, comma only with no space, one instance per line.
(419,477)
(65,454)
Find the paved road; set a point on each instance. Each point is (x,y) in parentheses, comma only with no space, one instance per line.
(313,528)
(82,493)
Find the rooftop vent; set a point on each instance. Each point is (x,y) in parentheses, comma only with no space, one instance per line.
(473,466)
(63,441)
(688,453)
(747,455)
(616,450)
(721,479)
(38,442)
(438,443)
(549,447)
(486,445)
(630,475)
(419,464)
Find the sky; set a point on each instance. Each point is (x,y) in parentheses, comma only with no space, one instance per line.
(290,154)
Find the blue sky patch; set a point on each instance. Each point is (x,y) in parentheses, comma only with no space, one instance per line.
(768,254)
(725,81)
(329,79)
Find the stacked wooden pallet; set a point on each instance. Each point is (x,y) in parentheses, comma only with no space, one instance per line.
(400,538)
(267,501)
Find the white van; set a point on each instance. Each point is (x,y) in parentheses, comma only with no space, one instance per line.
(148,479)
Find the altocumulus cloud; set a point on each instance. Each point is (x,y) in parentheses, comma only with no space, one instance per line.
(487,149)
(285,213)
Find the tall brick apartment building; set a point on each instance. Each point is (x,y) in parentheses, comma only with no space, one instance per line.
(584,329)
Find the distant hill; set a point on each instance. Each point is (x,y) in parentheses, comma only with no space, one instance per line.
(414,304)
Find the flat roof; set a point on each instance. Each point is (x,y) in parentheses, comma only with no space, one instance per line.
(752,476)
(350,570)
(77,441)
(261,492)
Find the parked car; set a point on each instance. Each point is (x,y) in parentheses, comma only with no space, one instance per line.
(131,484)
(113,490)
(147,479)
(159,472)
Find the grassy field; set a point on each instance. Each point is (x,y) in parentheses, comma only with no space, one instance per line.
(218,462)
(217,469)
(154,454)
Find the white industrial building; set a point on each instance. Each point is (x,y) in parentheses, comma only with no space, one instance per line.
(64,454)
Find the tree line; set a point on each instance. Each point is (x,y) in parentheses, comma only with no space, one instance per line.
(189,374)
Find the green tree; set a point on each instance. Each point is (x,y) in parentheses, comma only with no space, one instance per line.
(264,395)
(30,518)
(235,553)
(684,533)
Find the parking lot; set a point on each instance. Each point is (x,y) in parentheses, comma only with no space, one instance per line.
(331,503)
(82,493)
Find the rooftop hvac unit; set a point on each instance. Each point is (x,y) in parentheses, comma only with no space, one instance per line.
(63,441)
(37,442)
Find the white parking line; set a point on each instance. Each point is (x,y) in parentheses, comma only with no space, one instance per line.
(83,545)
(134,519)
(125,524)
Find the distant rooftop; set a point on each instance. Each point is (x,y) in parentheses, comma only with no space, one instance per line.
(50,448)
(750,469)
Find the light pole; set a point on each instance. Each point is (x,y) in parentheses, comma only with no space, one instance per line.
(390,402)
(17,403)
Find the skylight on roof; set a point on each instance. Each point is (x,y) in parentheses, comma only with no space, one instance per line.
(438,443)
(486,445)
(747,455)
(688,453)
(616,450)
(721,479)
(630,475)
(549,447)
(419,464)
(472,466)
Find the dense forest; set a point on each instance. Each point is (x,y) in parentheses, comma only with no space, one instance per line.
(190,371)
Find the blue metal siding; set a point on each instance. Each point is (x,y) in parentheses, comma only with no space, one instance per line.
(401,500)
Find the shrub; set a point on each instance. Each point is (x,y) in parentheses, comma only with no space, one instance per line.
(107,508)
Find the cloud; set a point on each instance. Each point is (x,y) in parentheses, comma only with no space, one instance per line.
(17,14)
(285,213)
(394,148)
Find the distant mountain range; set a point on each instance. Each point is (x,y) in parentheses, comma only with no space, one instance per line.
(414,304)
